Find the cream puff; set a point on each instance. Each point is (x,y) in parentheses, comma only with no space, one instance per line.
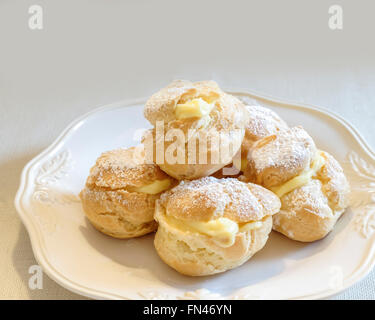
(198,128)
(210,225)
(120,193)
(312,203)
(310,183)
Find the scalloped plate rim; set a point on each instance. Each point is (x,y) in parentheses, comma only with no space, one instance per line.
(35,234)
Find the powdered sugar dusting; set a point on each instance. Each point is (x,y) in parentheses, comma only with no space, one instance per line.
(228,113)
(308,197)
(123,167)
(262,122)
(160,107)
(288,149)
(226,197)
(335,184)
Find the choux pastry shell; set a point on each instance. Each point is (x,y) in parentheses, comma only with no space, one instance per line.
(120,193)
(210,225)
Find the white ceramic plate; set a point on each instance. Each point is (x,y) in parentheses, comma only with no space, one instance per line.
(89,263)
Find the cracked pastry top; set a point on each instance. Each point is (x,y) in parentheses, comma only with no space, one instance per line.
(120,193)
(201,113)
(310,183)
(211,225)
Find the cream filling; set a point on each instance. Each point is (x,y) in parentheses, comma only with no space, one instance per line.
(242,164)
(302,179)
(223,231)
(195,108)
(153,188)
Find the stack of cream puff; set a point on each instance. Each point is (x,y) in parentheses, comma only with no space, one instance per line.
(208,220)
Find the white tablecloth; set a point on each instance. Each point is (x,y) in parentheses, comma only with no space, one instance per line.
(88,55)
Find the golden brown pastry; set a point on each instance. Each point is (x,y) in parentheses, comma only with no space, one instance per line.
(261,122)
(191,121)
(309,212)
(120,193)
(210,225)
(277,158)
(310,183)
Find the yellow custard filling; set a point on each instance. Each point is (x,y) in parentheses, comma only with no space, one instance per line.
(300,180)
(222,230)
(195,108)
(243,164)
(153,188)
(240,164)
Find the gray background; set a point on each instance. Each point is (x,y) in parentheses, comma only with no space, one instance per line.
(95,52)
